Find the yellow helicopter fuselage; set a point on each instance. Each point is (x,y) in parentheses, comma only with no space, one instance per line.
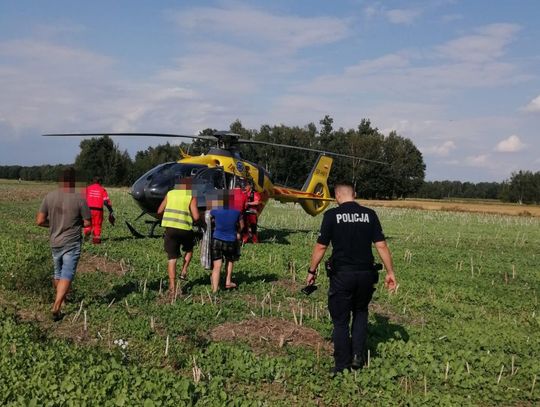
(314,197)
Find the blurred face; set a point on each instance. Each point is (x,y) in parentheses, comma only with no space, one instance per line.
(67,181)
(185,184)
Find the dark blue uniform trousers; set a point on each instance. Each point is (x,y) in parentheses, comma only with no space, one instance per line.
(349,296)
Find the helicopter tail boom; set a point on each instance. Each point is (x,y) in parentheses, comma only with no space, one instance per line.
(315,195)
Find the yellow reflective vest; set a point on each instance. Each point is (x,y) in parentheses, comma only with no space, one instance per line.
(176,214)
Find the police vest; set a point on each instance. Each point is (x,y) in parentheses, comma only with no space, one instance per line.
(176,214)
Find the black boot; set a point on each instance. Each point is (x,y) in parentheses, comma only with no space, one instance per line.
(357,362)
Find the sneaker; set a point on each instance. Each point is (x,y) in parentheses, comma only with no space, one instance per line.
(96,240)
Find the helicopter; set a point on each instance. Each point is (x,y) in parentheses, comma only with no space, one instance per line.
(222,168)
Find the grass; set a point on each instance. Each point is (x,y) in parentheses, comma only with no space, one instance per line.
(463,328)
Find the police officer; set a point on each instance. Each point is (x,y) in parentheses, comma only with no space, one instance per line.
(178,211)
(351,228)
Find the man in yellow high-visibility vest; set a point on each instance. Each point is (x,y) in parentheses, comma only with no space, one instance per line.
(178,211)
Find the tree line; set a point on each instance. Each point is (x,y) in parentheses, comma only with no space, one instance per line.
(521,187)
(401,176)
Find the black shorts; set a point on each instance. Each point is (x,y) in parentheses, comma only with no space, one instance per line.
(228,250)
(172,240)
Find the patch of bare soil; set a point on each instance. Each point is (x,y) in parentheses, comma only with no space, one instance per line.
(288,285)
(89,263)
(262,332)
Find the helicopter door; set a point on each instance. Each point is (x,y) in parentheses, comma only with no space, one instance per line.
(206,181)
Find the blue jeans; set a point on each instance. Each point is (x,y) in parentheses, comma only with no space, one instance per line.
(65,260)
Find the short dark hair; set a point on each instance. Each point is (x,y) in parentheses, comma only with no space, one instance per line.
(346,184)
(97,179)
(69,176)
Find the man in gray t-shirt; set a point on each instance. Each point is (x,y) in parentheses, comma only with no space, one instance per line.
(65,212)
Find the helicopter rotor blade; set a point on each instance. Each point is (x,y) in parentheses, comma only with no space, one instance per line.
(246,141)
(233,139)
(212,138)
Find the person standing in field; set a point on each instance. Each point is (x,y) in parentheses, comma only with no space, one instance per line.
(225,240)
(251,214)
(178,211)
(239,199)
(351,229)
(65,212)
(96,198)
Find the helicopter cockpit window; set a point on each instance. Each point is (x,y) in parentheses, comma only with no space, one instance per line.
(156,170)
(167,171)
(212,178)
(173,171)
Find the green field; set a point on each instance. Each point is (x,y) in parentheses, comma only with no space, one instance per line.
(462,329)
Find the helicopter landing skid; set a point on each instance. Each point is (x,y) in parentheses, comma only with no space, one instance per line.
(154,223)
(138,235)
(133,231)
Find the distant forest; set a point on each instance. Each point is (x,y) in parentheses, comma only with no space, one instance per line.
(402,177)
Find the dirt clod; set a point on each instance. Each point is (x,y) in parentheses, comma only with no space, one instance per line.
(92,263)
(260,332)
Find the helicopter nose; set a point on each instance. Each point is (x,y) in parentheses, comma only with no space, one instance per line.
(158,186)
(137,190)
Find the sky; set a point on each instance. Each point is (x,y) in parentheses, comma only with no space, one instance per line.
(460,78)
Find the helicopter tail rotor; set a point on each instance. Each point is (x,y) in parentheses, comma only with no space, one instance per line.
(316,183)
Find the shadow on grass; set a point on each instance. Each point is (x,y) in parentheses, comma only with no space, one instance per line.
(240,277)
(383,330)
(267,235)
(120,291)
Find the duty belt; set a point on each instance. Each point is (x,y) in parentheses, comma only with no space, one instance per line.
(353,268)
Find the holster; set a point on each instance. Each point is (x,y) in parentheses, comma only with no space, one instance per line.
(377,267)
(375,271)
(329,266)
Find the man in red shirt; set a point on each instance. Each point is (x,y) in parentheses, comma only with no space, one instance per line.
(96,197)
(251,214)
(239,199)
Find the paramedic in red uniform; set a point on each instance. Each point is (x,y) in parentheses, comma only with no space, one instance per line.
(96,197)
(251,214)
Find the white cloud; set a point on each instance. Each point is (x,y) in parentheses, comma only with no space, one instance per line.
(486,44)
(533,106)
(433,74)
(49,83)
(53,54)
(55,88)
(394,16)
(371,11)
(510,145)
(442,150)
(480,160)
(249,24)
(402,16)
(389,62)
